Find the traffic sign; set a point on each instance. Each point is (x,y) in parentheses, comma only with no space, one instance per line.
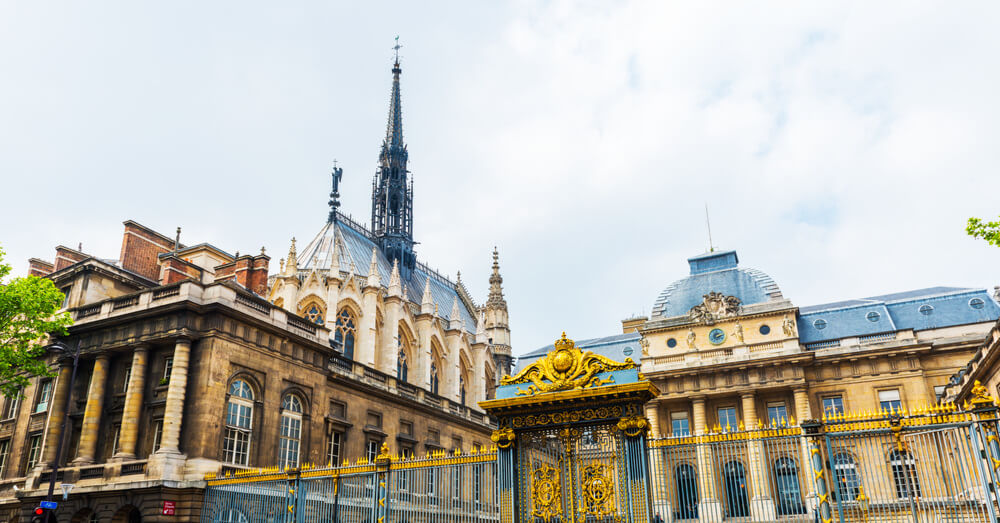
(51,505)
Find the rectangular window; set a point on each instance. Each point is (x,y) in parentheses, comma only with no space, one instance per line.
(833,405)
(456,443)
(34,452)
(157,433)
(374,419)
(372,448)
(114,442)
(65,291)
(338,410)
(406,427)
(12,404)
(939,393)
(889,401)
(128,376)
(44,395)
(727,419)
(333,448)
(403,476)
(776,414)
(434,436)
(679,424)
(288,442)
(4,452)
(168,365)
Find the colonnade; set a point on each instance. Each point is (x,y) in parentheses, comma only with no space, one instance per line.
(96,391)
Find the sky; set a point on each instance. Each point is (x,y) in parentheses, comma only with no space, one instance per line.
(839,147)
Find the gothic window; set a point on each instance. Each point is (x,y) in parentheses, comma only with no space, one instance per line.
(435,381)
(401,368)
(291,432)
(239,424)
(461,389)
(314,314)
(346,331)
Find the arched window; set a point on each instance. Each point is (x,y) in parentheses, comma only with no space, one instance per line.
(239,424)
(315,315)
(904,474)
(345,333)
(845,473)
(291,432)
(687,491)
(401,368)
(786,479)
(735,488)
(461,389)
(435,381)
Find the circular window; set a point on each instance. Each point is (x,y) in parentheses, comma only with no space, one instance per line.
(627,351)
(671,343)
(926,310)
(765,330)
(873,316)
(820,324)
(977,303)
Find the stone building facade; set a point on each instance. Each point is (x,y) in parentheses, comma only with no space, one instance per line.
(196,361)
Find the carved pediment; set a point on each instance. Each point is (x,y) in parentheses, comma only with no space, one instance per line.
(566,367)
(715,306)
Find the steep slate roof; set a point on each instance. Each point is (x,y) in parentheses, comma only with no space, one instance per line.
(356,246)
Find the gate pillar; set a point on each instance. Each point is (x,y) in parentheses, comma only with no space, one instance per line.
(571,442)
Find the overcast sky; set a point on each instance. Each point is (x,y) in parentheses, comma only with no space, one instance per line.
(840,149)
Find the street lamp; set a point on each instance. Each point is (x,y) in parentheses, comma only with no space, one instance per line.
(61,347)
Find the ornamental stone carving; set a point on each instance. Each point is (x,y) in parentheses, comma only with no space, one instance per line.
(714,306)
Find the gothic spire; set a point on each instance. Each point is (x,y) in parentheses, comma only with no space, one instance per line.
(373,276)
(292,265)
(392,189)
(496,283)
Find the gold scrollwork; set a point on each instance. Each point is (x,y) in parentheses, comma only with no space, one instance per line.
(566,367)
(545,497)
(632,426)
(598,490)
(572,416)
(503,437)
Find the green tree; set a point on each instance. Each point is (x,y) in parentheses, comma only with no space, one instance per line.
(989,231)
(27,316)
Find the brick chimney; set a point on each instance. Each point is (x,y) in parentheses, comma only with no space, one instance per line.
(141,247)
(248,271)
(40,268)
(66,257)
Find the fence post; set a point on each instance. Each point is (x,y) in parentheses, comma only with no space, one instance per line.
(637,474)
(292,496)
(813,430)
(983,405)
(505,482)
(383,462)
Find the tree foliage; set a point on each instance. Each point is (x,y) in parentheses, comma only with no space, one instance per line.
(28,308)
(989,231)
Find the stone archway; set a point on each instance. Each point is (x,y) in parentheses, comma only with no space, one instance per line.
(127,514)
(84,515)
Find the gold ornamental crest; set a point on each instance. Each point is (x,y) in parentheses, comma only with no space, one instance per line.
(598,490)
(545,496)
(566,367)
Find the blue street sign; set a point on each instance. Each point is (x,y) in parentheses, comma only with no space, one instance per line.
(51,505)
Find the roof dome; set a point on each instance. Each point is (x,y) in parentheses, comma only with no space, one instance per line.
(719,272)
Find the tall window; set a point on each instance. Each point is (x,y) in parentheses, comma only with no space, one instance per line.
(239,424)
(461,389)
(372,448)
(291,432)
(904,474)
(44,395)
(401,368)
(679,424)
(157,433)
(345,333)
(435,382)
(889,401)
(34,451)
(833,405)
(4,452)
(126,378)
(11,405)
(727,418)
(333,448)
(314,314)
(168,365)
(845,473)
(776,414)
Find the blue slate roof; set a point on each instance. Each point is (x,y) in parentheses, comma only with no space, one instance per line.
(357,247)
(919,309)
(617,347)
(719,272)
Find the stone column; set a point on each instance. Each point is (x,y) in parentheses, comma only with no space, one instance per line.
(653,415)
(92,413)
(803,412)
(57,413)
(174,411)
(129,433)
(709,507)
(761,504)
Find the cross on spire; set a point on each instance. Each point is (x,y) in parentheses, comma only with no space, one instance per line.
(396,49)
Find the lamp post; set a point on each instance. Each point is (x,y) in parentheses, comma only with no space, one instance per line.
(62,432)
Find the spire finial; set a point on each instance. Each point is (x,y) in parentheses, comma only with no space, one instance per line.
(396,49)
(496,283)
(337,174)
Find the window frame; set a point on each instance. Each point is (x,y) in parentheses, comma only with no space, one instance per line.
(334,458)
(43,396)
(32,451)
(235,435)
(676,416)
(290,431)
(12,404)
(882,403)
(826,411)
(4,455)
(777,405)
(734,424)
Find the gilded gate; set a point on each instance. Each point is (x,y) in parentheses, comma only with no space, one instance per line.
(571,443)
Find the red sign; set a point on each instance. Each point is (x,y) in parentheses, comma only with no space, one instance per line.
(168,508)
